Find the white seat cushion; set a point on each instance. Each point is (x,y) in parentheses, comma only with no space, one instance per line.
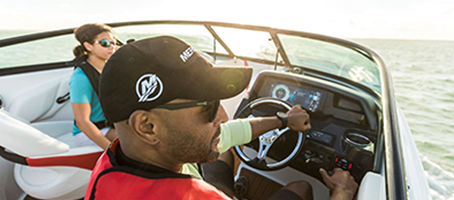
(25,140)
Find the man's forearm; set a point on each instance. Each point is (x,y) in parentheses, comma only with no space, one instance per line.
(263,124)
(297,120)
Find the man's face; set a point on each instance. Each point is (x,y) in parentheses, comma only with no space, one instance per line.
(188,136)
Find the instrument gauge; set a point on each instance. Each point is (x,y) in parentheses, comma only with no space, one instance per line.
(281,91)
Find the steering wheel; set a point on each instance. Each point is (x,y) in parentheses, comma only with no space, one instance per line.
(267,139)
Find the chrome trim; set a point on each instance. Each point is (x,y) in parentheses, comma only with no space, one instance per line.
(260,101)
(348,140)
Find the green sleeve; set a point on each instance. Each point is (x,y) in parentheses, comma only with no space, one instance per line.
(191,169)
(234,132)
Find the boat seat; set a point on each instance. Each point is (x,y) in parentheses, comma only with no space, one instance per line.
(47,167)
(60,130)
(38,102)
(372,187)
(68,139)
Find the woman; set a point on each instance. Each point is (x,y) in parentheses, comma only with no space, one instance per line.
(96,46)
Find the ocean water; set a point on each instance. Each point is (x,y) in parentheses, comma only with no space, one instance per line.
(423,77)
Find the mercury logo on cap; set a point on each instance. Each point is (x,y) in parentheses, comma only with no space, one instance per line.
(149,87)
(186,54)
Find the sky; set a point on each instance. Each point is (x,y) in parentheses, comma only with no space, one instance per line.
(391,19)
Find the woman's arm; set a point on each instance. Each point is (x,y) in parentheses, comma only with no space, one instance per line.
(82,116)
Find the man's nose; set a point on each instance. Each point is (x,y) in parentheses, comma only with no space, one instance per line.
(221,115)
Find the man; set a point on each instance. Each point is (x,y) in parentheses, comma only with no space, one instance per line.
(164,100)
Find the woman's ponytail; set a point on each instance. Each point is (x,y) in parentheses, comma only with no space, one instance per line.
(79,51)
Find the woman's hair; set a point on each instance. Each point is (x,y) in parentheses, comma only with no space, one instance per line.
(87,33)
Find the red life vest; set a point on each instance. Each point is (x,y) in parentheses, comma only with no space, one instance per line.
(111,181)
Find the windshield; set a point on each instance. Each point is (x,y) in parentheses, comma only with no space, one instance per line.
(331,58)
(258,44)
(304,52)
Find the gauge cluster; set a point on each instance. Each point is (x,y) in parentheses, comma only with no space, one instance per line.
(307,98)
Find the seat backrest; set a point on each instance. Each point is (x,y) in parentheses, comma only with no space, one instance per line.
(38,102)
(21,138)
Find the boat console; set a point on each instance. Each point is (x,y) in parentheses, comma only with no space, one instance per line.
(344,124)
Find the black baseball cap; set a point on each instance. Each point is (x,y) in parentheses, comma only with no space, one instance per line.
(151,72)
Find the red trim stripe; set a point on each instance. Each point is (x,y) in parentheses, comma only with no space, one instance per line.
(85,161)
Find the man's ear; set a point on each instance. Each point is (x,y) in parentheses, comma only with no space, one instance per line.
(142,126)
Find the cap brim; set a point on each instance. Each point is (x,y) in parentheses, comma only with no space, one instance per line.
(219,83)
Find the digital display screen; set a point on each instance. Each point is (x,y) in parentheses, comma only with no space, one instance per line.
(307,98)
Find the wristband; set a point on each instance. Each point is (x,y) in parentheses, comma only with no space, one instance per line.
(283,117)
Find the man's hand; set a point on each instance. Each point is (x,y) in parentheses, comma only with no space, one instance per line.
(341,184)
(298,119)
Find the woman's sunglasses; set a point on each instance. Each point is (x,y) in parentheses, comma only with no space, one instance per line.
(106,43)
(211,106)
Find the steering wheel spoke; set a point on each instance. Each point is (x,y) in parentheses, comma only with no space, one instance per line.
(264,147)
(267,140)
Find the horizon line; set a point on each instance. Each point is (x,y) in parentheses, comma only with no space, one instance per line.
(32,31)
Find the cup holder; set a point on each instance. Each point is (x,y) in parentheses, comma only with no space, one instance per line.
(358,140)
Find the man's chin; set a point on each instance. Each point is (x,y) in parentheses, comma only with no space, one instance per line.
(212,156)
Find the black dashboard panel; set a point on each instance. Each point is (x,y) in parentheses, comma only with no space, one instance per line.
(344,122)
(318,97)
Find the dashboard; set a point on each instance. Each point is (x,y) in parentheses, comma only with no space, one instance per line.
(306,97)
(344,123)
